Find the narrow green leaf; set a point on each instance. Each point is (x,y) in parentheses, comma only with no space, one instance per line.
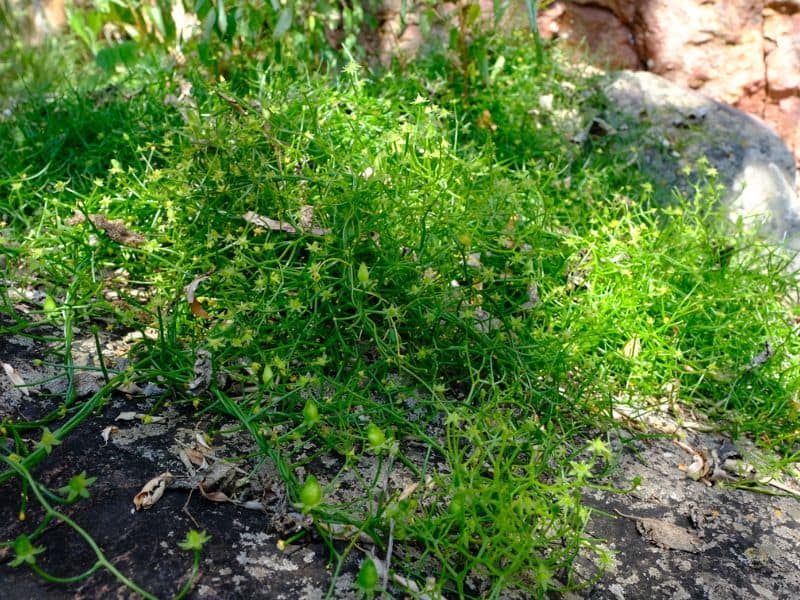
(284,21)
(222,18)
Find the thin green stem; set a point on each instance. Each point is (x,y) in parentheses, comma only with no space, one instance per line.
(192,577)
(65,580)
(23,472)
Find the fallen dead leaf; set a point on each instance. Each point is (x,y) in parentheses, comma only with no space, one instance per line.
(407,491)
(215,496)
(700,466)
(185,23)
(194,305)
(196,457)
(485,121)
(126,416)
(198,310)
(474,260)
(152,491)
(633,347)
(115,229)
(275,225)
(201,440)
(16,379)
(202,373)
(107,432)
(144,418)
(130,388)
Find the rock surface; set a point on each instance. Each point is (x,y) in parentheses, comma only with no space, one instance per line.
(742,543)
(753,163)
(743,52)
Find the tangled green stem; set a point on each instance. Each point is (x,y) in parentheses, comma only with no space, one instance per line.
(102,561)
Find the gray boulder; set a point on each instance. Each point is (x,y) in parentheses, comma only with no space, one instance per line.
(754,164)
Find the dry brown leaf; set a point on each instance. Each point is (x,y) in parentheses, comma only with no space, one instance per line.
(407,491)
(185,23)
(191,289)
(215,496)
(474,260)
(194,305)
(202,373)
(274,225)
(186,462)
(132,389)
(115,229)
(201,441)
(152,491)
(485,121)
(198,310)
(195,456)
(700,466)
(16,379)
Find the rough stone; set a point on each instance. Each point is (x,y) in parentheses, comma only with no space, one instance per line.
(782,34)
(753,163)
(37,20)
(743,52)
(602,32)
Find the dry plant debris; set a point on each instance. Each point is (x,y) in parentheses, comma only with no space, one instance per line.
(665,534)
(116,229)
(152,491)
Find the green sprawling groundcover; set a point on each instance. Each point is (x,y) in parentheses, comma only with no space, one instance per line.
(379,259)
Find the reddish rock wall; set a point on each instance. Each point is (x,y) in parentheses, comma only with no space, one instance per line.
(743,52)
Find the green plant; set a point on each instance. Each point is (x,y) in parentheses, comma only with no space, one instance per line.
(398,284)
(194,542)
(23,546)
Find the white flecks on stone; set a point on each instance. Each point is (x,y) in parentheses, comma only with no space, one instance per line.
(617,590)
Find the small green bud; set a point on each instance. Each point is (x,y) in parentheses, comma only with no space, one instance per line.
(367,578)
(310,413)
(375,435)
(267,375)
(195,540)
(310,493)
(363,274)
(50,307)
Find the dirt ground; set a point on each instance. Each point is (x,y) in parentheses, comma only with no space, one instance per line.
(680,538)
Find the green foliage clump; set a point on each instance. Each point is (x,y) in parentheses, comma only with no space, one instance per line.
(381,262)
